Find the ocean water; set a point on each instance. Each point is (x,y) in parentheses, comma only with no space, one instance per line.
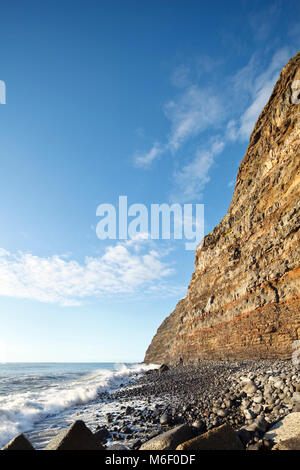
(39,398)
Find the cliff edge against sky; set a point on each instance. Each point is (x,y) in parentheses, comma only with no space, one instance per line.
(243,301)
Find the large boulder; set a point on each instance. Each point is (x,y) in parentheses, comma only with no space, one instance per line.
(75,437)
(289,444)
(221,438)
(18,443)
(285,429)
(171,439)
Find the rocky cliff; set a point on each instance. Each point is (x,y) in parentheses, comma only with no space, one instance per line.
(243,301)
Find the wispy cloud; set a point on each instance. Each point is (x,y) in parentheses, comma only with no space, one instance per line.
(262,22)
(254,86)
(193,69)
(294,32)
(145,159)
(231,183)
(259,87)
(192,178)
(239,99)
(195,110)
(123,269)
(181,76)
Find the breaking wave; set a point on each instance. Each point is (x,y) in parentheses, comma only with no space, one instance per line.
(20,411)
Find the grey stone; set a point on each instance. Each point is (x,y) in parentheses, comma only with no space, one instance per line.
(118,447)
(250,388)
(165,418)
(171,439)
(258,399)
(198,424)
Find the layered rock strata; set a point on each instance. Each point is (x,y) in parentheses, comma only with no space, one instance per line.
(243,301)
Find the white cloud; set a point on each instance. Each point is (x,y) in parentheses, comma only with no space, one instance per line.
(145,159)
(249,117)
(206,64)
(56,279)
(263,21)
(294,32)
(181,76)
(192,178)
(195,110)
(259,86)
(198,109)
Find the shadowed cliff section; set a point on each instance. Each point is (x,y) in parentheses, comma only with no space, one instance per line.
(243,301)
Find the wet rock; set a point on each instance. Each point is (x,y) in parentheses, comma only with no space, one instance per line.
(126,430)
(165,419)
(102,433)
(199,425)
(129,410)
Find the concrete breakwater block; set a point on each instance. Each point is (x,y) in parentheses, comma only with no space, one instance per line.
(169,440)
(76,437)
(19,443)
(289,444)
(286,429)
(221,438)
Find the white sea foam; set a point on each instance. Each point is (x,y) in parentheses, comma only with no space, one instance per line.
(20,411)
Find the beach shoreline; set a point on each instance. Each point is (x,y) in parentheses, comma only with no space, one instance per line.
(251,395)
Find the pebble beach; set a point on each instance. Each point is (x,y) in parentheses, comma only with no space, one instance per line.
(250,396)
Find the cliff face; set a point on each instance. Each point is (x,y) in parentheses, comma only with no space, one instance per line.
(243,301)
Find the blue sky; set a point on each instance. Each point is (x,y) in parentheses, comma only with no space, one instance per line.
(154,100)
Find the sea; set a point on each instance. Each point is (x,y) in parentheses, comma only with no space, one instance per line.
(38,399)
